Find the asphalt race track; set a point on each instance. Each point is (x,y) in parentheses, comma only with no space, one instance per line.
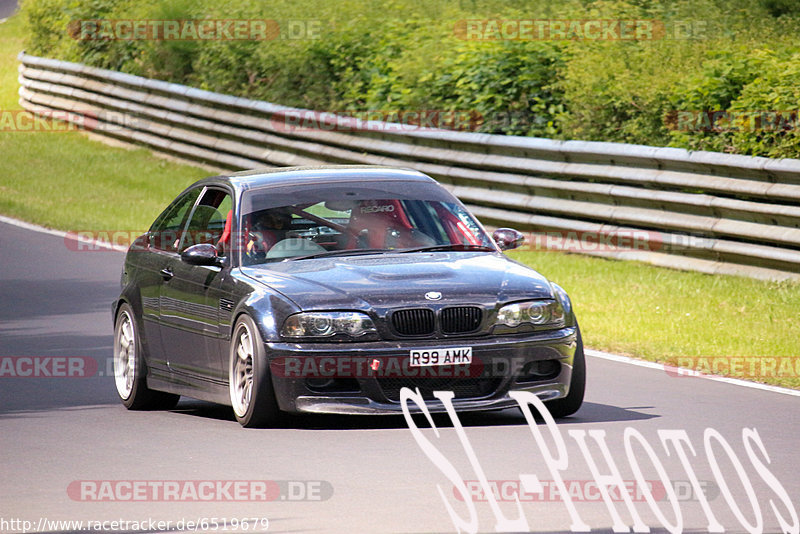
(341,474)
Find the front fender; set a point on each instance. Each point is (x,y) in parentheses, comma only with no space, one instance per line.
(268,310)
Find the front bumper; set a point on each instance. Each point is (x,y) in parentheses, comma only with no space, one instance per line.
(499,365)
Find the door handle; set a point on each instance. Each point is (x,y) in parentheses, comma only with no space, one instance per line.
(166,273)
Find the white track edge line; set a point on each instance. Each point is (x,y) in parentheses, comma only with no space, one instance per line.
(60,233)
(690,372)
(589,352)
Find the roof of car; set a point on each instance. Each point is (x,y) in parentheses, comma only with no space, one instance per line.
(328,173)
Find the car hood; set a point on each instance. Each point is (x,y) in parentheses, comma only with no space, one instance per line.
(391,280)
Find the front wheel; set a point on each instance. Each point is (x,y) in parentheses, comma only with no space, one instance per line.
(572,402)
(130,371)
(249,381)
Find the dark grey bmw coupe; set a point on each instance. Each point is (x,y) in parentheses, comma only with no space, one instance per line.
(328,290)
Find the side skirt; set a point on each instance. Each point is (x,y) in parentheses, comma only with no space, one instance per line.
(190,387)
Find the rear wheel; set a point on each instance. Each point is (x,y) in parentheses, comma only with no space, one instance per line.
(572,402)
(249,380)
(130,371)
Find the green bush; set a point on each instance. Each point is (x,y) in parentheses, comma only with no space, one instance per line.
(512,86)
(776,89)
(716,87)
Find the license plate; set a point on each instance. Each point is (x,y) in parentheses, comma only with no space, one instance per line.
(448,356)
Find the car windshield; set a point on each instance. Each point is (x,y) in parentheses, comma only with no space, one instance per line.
(347,218)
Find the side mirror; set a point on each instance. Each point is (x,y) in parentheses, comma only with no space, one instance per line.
(508,238)
(201,254)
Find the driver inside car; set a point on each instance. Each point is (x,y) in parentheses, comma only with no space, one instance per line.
(267,227)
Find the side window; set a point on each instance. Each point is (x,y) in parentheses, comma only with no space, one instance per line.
(207,223)
(166,232)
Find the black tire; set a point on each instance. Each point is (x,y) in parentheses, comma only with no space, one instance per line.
(130,368)
(248,368)
(570,404)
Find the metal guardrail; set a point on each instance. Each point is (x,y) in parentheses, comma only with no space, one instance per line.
(703,211)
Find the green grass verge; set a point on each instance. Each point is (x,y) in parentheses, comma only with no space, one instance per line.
(68,182)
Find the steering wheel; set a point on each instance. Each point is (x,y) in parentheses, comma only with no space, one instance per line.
(256,249)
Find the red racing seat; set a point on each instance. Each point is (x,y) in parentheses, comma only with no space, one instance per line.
(372,221)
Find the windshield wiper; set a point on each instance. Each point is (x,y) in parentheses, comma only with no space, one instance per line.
(360,251)
(450,246)
(346,252)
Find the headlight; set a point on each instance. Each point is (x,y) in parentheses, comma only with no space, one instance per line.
(327,324)
(537,313)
